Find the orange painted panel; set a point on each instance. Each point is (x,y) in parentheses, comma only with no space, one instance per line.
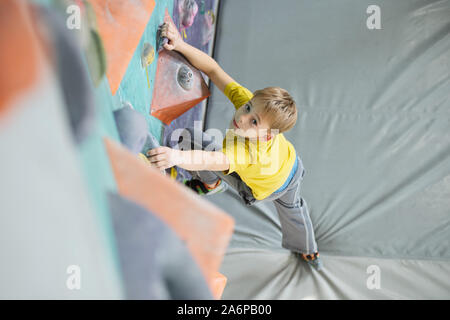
(18,50)
(121,24)
(205,228)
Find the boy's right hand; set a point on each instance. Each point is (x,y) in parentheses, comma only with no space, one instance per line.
(169,31)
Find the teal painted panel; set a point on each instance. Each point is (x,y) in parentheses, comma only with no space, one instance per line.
(135,86)
(97,171)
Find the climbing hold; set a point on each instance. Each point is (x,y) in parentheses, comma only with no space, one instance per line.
(147,55)
(144,158)
(151,143)
(212,15)
(132,128)
(96,57)
(207,32)
(161,41)
(187,10)
(173,173)
(185,77)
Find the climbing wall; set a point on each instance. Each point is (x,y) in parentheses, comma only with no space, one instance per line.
(200,34)
(67,182)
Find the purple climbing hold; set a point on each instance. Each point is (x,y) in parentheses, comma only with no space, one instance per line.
(187,10)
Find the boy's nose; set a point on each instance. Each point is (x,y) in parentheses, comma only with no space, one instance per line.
(242,119)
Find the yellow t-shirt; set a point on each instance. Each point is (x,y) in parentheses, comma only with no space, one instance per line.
(263,165)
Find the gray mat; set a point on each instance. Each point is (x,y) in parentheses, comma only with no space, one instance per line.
(373,134)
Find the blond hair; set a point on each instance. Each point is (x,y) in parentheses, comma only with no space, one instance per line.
(279,107)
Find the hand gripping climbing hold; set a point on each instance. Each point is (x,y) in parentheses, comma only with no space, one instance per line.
(170,97)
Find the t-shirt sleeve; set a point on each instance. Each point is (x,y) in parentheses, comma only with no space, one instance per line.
(237,94)
(237,153)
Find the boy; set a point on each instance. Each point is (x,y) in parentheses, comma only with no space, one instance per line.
(255,157)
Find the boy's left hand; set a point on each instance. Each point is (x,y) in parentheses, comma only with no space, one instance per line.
(163,157)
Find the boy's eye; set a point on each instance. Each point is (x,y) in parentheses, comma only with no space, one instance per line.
(247,108)
(254,122)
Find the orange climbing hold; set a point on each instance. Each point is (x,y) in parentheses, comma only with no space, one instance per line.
(121,24)
(205,228)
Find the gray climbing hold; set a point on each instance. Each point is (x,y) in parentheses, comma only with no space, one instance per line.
(185,77)
(151,143)
(132,128)
(161,41)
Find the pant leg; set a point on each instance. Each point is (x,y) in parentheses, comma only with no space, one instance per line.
(235,181)
(296,225)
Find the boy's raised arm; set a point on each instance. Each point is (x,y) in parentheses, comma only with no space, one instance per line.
(196,57)
(192,160)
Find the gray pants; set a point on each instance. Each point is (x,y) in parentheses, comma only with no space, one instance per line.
(296,225)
